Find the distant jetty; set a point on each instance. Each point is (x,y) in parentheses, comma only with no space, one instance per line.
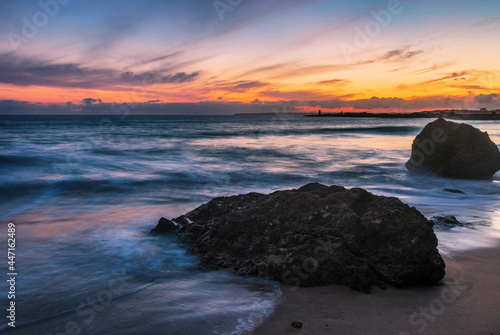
(449,114)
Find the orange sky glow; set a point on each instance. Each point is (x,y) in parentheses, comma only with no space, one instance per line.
(307,52)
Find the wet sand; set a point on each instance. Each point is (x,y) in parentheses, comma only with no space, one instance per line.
(466,302)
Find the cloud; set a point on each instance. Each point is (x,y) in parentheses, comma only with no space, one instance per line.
(453,75)
(471,87)
(13,107)
(399,54)
(295,95)
(487,21)
(156,107)
(161,58)
(237,86)
(249,84)
(204,16)
(180,77)
(26,72)
(334,82)
(388,104)
(489,100)
(434,67)
(264,69)
(90,101)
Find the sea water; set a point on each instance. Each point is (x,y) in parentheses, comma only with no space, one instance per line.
(83,192)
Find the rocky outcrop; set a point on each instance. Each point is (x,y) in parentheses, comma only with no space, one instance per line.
(454,150)
(163,227)
(315,236)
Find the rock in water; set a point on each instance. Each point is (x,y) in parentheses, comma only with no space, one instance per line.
(454,150)
(315,236)
(164,226)
(448,221)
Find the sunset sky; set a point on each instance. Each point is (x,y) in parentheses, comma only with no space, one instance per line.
(371,55)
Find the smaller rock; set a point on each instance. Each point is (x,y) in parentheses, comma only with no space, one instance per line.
(448,221)
(164,226)
(297,324)
(449,190)
(454,150)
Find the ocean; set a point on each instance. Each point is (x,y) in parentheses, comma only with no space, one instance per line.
(84,191)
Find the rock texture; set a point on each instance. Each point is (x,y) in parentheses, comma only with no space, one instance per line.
(164,226)
(315,236)
(454,150)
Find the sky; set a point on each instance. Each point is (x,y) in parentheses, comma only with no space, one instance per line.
(225,56)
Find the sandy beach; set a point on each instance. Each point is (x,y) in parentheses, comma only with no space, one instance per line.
(466,302)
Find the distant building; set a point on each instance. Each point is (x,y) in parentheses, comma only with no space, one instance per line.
(484,110)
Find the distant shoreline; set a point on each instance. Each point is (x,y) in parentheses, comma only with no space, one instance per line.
(449,114)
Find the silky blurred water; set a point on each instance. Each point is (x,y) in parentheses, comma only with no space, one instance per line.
(84,191)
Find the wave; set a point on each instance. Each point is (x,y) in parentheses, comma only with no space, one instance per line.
(252,131)
(7,161)
(380,130)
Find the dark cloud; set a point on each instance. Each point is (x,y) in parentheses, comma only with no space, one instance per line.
(157,78)
(90,101)
(25,72)
(391,103)
(12,107)
(92,106)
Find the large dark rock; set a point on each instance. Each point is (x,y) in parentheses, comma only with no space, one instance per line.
(316,235)
(454,150)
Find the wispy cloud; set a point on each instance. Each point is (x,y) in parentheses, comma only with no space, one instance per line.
(433,68)
(295,95)
(334,82)
(487,21)
(454,75)
(399,55)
